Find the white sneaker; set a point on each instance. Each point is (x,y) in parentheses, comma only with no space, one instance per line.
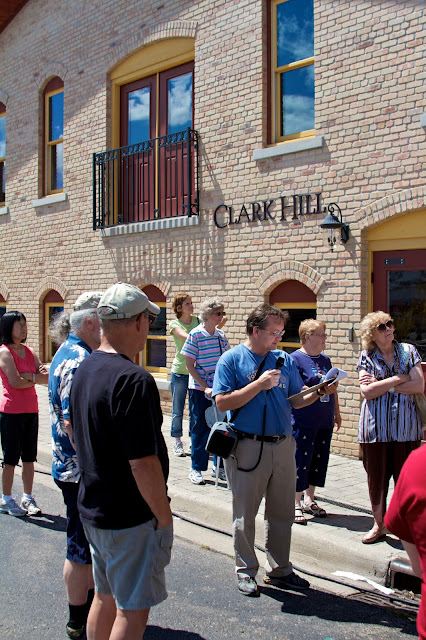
(30,506)
(178,449)
(10,507)
(222,474)
(196,477)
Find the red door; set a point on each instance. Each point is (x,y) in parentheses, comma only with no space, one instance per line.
(138,125)
(154,113)
(399,288)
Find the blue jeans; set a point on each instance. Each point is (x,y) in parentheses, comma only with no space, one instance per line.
(198,403)
(179,387)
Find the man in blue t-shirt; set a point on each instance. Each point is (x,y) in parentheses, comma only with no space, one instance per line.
(263,464)
(78,333)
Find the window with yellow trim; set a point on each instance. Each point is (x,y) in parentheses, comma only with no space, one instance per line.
(292,90)
(50,310)
(2,153)
(54,136)
(154,354)
(300,302)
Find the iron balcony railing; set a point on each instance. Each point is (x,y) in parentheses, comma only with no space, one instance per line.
(149,180)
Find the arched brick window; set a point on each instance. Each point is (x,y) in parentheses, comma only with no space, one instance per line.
(53,303)
(300,302)
(154,355)
(53,147)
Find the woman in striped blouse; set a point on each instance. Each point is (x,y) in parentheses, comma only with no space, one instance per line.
(202,349)
(389,425)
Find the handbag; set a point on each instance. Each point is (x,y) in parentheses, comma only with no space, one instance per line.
(420,402)
(223,438)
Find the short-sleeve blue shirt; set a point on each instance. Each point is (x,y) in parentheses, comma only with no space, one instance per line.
(64,365)
(237,368)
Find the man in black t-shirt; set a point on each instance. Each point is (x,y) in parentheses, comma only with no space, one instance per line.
(116,419)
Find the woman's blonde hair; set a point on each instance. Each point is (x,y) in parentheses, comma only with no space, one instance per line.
(208,306)
(308,327)
(368,324)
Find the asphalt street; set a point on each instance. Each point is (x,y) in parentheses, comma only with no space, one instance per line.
(203,602)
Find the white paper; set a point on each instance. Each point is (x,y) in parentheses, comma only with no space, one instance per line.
(355,576)
(335,374)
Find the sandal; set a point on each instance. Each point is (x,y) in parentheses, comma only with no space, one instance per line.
(315,510)
(299,518)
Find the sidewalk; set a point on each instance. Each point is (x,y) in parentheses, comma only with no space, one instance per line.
(333,542)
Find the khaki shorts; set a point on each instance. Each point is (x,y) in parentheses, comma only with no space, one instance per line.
(129,563)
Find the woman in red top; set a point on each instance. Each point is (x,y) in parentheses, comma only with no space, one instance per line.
(20,371)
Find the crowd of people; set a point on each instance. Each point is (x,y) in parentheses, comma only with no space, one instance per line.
(108,447)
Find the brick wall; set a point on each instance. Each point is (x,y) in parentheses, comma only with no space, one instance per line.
(369,93)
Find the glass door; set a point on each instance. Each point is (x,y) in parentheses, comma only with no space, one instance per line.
(399,288)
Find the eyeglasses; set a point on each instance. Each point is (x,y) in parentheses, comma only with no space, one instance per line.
(318,335)
(276,334)
(151,318)
(385,325)
(219,313)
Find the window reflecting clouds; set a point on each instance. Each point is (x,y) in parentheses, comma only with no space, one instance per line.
(179,101)
(138,115)
(295,31)
(298,100)
(56,116)
(3,136)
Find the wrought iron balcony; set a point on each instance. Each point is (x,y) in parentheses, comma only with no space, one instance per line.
(150,180)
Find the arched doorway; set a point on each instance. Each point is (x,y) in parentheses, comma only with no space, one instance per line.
(300,302)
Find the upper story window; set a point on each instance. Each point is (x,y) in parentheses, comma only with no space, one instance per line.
(2,153)
(54,136)
(292,89)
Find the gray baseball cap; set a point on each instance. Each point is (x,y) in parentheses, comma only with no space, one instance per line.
(125,301)
(88,300)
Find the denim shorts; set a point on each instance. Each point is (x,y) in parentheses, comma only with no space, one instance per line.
(78,549)
(19,433)
(129,563)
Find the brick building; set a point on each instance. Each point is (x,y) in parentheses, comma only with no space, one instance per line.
(197,145)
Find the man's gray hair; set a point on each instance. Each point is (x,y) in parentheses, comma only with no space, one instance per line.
(64,323)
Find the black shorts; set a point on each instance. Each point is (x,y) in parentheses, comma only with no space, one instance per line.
(19,432)
(78,549)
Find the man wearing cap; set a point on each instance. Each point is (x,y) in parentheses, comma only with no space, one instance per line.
(122,455)
(79,333)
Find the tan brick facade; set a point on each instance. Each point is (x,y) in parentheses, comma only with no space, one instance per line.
(369,99)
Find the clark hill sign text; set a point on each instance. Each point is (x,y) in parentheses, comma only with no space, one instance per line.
(278,209)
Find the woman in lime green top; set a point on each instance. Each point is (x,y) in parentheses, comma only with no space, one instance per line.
(179,328)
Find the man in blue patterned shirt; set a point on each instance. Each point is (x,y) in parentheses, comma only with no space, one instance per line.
(79,333)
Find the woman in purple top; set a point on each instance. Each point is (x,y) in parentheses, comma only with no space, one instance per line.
(389,425)
(313,425)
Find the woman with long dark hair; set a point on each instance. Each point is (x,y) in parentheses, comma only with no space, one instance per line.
(20,371)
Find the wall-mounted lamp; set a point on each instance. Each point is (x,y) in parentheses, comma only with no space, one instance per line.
(332,222)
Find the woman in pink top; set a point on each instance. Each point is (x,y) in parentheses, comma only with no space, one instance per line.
(20,370)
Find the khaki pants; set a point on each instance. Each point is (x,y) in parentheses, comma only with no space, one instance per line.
(274,479)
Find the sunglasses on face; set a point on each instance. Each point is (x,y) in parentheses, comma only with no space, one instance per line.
(385,325)
(219,313)
(151,318)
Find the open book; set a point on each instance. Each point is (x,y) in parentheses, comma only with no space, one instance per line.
(334,375)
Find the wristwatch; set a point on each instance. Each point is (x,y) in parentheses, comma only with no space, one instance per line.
(320,394)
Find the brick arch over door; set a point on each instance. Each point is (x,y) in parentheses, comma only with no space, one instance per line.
(51,282)
(146,277)
(4,291)
(391,205)
(163,31)
(289,270)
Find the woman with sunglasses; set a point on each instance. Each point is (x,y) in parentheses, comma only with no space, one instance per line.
(389,425)
(202,349)
(20,371)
